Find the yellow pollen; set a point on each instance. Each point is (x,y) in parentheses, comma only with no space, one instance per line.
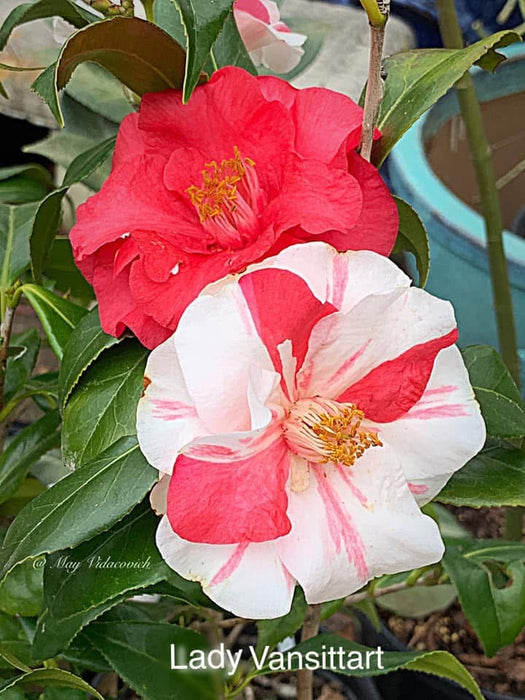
(218,192)
(342,439)
(323,430)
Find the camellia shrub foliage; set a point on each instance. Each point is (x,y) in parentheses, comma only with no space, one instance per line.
(259,413)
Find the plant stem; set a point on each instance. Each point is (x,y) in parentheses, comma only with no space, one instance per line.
(5,337)
(374,90)
(305,677)
(482,160)
(148,8)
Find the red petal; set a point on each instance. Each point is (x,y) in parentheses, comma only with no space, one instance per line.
(230,502)
(282,307)
(391,389)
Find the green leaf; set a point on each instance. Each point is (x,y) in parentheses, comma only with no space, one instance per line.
(418,601)
(503,417)
(413,238)
(80,584)
(30,11)
(203,22)
(271,632)
(86,163)
(100,93)
(57,315)
(139,651)
(24,449)
(499,399)
(168,18)
(49,677)
(487,370)
(83,653)
(21,593)
(14,643)
(60,267)
(46,225)
(494,477)
(103,406)
(85,344)
(20,184)
(79,506)
(229,49)
(439,663)
(21,364)
(138,53)
(15,230)
(417,79)
(497,614)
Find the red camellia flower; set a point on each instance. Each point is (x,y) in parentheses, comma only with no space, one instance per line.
(250,166)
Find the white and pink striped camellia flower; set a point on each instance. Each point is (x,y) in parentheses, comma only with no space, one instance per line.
(303,409)
(268,40)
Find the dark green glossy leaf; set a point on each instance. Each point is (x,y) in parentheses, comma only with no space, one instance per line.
(103,406)
(417,79)
(413,238)
(140,653)
(439,663)
(79,506)
(60,267)
(86,163)
(16,224)
(15,648)
(24,449)
(46,225)
(203,22)
(271,632)
(495,477)
(57,315)
(167,16)
(487,370)
(81,583)
(24,183)
(30,11)
(497,614)
(21,364)
(49,677)
(21,593)
(229,49)
(86,343)
(138,53)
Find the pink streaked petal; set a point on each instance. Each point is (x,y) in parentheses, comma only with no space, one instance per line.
(203,495)
(339,540)
(247,580)
(166,417)
(394,387)
(218,346)
(433,447)
(378,329)
(283,308)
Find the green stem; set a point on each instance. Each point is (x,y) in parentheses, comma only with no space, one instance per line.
(377,11)
(148,7)
(305,677)
(482,160)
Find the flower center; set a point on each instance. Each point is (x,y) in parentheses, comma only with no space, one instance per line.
(227,199)
(321,431)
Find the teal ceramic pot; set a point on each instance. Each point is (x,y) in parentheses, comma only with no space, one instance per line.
(459,266)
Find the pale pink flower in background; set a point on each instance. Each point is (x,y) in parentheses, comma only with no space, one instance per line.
(304,409)
(268,40)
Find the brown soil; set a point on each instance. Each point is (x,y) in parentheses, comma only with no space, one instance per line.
(450,631)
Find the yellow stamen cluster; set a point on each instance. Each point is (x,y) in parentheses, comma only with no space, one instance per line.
(218,191)
(342,440)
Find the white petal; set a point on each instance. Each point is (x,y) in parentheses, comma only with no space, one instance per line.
(248,580)
(353,524)
(218,346)
(166,415)
(442,431)
(343,348)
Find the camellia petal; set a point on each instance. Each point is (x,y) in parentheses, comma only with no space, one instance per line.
(198,191)
(322,380)
(247,578)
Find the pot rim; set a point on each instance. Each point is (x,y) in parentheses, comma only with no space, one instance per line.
(466,226)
